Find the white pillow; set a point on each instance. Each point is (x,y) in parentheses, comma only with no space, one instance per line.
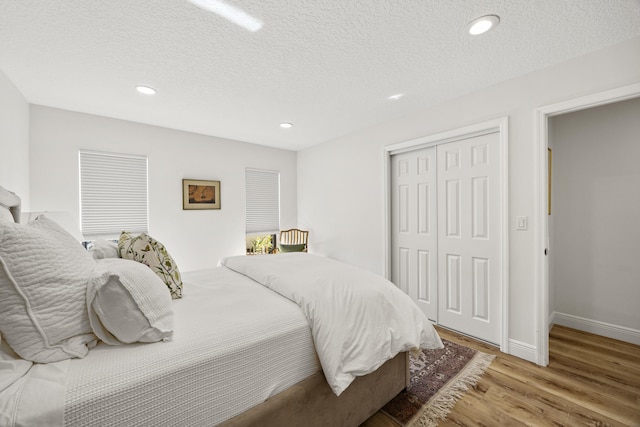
(10,201)
(128,303)
(43,278)
(5,214)
(101,249)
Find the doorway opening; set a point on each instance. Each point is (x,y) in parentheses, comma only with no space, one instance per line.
(543,115)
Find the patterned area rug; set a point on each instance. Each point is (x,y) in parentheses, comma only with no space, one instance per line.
(438,379)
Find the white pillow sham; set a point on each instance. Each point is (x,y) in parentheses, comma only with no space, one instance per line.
(10,201)
(5,214)
(102,248)
(128,303)
(43,277)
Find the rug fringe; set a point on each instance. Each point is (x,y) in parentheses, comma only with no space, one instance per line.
(443,402)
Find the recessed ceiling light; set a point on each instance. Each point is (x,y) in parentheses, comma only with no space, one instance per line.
(396,96)
(286,125)
(230,13)
(483,24)
(146,90)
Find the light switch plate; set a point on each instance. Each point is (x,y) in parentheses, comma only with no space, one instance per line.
(521,223)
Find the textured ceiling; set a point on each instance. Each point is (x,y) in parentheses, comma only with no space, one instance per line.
(328,66)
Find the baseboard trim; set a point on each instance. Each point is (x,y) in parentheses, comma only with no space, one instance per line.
(617,332)
(523,350)
(552,320)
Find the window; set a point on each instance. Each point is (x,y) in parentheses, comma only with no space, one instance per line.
(113,194)
(263,201)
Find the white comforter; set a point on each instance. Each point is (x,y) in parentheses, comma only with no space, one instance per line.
(358,319)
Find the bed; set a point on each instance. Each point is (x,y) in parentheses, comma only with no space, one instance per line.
(288,339)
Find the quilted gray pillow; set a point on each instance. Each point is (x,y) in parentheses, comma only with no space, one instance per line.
(43,278)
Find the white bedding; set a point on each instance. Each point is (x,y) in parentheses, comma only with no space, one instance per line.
(235,344)
(31,394)
(359,320)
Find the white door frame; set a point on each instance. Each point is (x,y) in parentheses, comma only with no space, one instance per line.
(500,125)
(542,116)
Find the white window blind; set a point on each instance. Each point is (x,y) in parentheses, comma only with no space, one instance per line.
(263,201)
(113,194)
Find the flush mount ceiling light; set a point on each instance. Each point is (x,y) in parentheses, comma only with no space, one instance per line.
(146,90)
(230,13)
(286,125)
(483,24)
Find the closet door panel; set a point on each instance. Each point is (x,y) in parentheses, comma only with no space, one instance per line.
(468,245)
(414,227)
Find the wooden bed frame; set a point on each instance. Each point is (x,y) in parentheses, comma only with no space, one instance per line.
(312,403)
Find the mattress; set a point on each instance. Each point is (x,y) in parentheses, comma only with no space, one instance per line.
(235,344)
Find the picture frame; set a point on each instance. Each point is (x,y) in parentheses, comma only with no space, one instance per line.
(200,194)
(549,176)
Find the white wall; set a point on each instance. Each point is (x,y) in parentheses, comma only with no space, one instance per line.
(196,239)
(14,140)
(341,183)
(595,244)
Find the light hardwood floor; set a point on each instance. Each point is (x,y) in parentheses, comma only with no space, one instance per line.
(590,381)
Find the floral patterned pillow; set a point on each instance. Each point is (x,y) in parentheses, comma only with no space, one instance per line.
(148,251)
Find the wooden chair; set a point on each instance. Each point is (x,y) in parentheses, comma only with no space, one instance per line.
(294,236)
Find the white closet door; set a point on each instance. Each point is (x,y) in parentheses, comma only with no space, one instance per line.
(414,225)
(469,236)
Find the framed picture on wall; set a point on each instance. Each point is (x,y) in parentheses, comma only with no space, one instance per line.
(549,170)
(199,194)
